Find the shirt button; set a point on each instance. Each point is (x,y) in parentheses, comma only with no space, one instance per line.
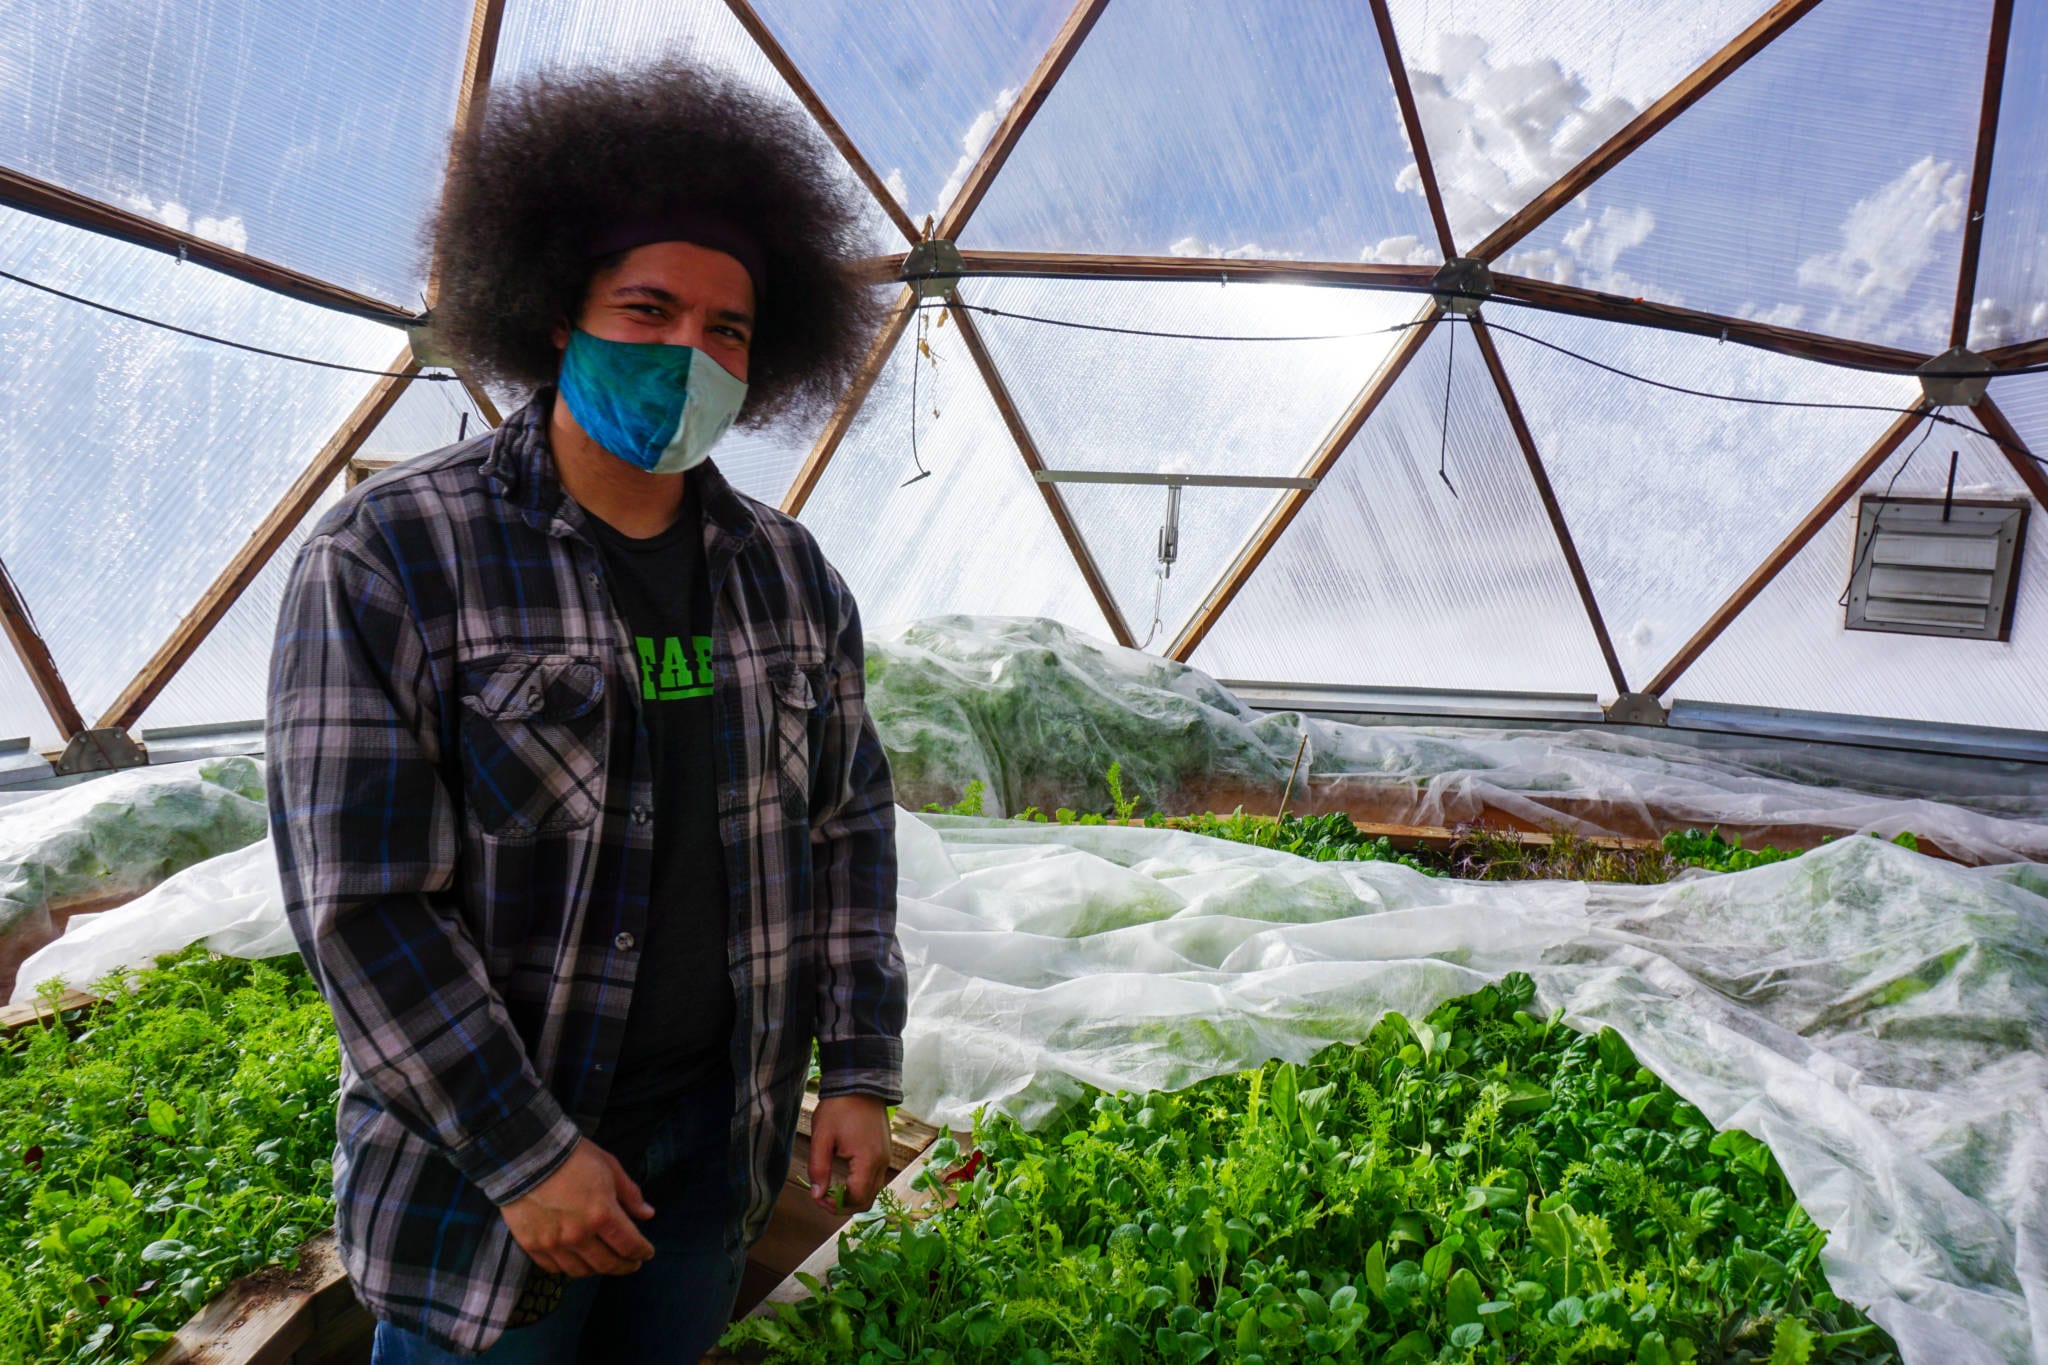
(533,697)
(595,581)
(624,943)
(641,815)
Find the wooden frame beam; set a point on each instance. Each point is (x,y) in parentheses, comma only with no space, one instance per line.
(1404,96)
(1508,289)
(841,421)
(2021,456)
(2018,356)
(758,30)
(1645,125)
(277,524)
(65,206)
(1055,501)
(1319,466)
(1837,498)
(1551,507)
(1980,171)
(1039,85)
(37,660)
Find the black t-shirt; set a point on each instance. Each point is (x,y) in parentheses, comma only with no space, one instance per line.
(679,1026)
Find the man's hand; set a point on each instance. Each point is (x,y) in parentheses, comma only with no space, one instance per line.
(854,1128)
(574,1223)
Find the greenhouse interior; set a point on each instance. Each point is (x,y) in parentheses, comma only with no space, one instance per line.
(1453,593)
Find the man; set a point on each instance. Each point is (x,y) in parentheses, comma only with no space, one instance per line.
(583,825)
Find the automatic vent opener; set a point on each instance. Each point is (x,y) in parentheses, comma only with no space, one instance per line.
(1169,530)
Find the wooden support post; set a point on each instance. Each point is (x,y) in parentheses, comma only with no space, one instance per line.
(811,101)
(1645,125)
(1040,83)
(1319,466)
(1551,507)
(37,660)
(486,409)
(1055,503)
(1837,498)
(1404,96)
(1980,171)
(841,421)
(2018,357)
(45,200)
(256,551)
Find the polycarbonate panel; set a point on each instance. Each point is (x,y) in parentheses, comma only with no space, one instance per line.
(22,715)
(1389,579)
(312,133)
(1214,130)
(1514,93)
(1822,186)
(974,537)
(1104,401)
(2011,298)
(135,461)
(1674,500)
(919,85)
(2024,401)
(428,415)
(226,679)
(1099,400)
(565,35)
(1789,647)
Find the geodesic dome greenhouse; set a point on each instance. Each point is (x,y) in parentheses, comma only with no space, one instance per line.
(1380,447)
(1790,207)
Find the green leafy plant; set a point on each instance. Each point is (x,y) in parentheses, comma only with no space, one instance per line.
(156,1147)
(1483,1185)
(1690,848)
(1125,807)
(968,804)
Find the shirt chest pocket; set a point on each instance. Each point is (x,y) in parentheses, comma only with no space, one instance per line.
(533,743)
(795,692)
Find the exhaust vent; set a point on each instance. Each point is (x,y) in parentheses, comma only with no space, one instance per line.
(1929,566)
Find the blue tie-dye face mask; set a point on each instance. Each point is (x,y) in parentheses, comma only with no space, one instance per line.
(658,408)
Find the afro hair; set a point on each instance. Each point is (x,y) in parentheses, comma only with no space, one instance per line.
(558,158)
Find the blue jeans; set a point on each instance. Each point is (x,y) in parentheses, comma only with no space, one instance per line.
(673,1308)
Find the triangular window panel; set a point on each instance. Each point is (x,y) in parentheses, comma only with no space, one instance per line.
(1109,401)
(315,144)
(1822,186)
(2011,297)
(2024,401)
(224,680)
(975,536)
(919,85)
(22,713)
(1674,500)
(1514,93)
(1212,130)
(568,35)
(163,451)
(1789,648)
(1388,578)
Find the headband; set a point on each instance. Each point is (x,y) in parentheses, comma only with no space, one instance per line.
(684,225)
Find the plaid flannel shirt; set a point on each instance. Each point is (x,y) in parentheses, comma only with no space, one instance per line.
(467,872)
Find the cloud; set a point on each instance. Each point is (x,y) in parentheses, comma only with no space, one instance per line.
(1499,134)
(231,233)
(1888,239)
(971,143)
(1407,249)
(1193,246)
(1589,254)
(1777,315)
(894,183)
(1995,322)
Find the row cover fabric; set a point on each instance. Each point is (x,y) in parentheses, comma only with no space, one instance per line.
(1879,1017)
(115,837)
(1037,713)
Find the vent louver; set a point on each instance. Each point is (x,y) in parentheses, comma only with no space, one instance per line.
(1925,566)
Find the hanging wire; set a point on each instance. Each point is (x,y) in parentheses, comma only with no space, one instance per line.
(1443,454)
(223,341)
(917,354)
(1158,602)
(1877,522)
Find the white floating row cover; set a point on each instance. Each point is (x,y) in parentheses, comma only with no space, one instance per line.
(1926,567)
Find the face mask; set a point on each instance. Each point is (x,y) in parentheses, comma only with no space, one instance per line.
(658,408)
